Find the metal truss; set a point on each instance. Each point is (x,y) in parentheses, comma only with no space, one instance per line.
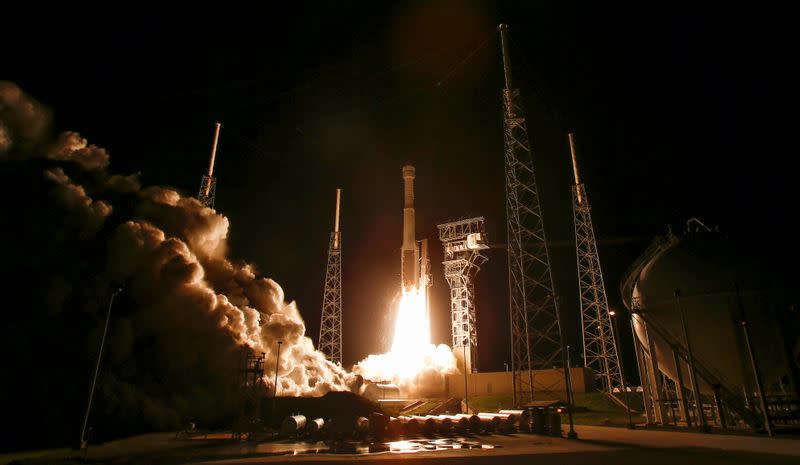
(599,343)
(251,391)
(535,328)
(208,191)
(330,331)
(463,242)
(208,184)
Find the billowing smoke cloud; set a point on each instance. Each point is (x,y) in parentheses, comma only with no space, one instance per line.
(75,233)
(431,362)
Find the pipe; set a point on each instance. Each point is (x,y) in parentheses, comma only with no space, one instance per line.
(336,224)
(213,157)
(293,425)
(720,410)
(315,426)
(84,440)
(571,137)
(567,375)
(754,364)
(474,421)
(681,395)
(506,59)
(618,346)
(762,400)
(692,375)
(642,367)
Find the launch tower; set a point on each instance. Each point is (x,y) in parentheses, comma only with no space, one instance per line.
(533,307)
(463,242)
(599,346)
(330,330)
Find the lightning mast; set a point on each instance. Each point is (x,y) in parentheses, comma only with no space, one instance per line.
(599,346)
(208,185)
(533,308)
(330,330)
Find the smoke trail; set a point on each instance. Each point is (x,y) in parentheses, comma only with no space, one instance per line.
(76,232)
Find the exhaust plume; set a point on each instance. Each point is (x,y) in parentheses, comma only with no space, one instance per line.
(75,233)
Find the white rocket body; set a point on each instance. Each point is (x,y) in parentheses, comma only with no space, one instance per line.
(409,253)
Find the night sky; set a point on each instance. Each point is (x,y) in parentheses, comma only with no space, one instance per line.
(677,114)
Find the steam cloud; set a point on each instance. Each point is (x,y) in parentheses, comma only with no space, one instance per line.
(77,233)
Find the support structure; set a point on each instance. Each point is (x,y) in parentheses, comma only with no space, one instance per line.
(463,243)
(330,329)
(252,389)
(208,185)
(599,345)
(535,329)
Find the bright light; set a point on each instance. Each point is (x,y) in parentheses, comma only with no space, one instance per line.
(412,327)
(412,352)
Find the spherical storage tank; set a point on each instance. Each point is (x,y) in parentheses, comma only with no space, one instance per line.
(718,285)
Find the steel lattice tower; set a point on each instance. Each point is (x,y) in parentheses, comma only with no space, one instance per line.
(330,329)
(208,184)
(535,329)
(463,241)
(599,345)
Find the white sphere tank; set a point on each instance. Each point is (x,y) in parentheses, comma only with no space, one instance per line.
(705,269)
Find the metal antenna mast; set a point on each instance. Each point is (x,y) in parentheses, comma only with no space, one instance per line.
(208,185)
(535,329)
(463,242)
(330,330)
(599,345)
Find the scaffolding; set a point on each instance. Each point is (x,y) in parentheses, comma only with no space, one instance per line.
(463,243)
(252,390)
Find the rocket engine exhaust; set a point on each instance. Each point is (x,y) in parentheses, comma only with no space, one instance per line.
(413,363)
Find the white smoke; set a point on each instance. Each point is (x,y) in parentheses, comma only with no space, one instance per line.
(434,362)
(172,255)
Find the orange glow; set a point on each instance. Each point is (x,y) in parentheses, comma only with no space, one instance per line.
(412,352)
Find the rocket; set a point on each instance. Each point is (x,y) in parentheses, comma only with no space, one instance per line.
(409,253)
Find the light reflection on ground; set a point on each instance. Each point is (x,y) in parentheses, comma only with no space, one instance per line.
(409,446)
(417,445)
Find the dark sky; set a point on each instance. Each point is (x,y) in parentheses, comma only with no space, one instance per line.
(677,113)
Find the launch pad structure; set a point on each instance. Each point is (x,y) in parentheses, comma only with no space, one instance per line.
(251,389)
(463,243)
(536,341)
(208,184)
(599,342)
(330,330)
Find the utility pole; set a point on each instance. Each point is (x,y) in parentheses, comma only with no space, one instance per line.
(275,388)
(754,364)
(690,358)
(622,374)
(330,329)
(84,441)
(567,380)
(533,310)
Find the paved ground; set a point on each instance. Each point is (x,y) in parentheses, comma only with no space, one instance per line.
(597,445)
